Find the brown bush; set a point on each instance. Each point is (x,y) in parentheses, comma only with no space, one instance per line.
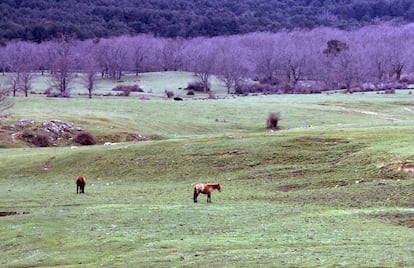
(125,90)
(41,139)
(130,88)
(85,138)
(169,93)
(195,86)
(272,120)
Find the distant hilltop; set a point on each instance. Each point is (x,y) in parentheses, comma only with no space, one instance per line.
(42,20)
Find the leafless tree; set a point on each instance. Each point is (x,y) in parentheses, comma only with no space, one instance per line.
(20,63)
(266,52)
(201,58)
(171,54)
(89,67)
(5,102)
(231,67)
(62,64)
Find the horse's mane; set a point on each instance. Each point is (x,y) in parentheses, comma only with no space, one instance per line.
(213,184)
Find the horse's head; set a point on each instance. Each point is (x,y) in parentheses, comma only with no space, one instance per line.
(218,187)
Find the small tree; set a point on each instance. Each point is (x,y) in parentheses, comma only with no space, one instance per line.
(5,102)
(26,79)
(62,64)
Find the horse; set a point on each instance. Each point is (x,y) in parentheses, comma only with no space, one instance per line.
(207,189)
(407,167)
(80,184)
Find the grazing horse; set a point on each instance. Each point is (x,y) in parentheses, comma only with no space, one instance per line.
(207,189)
(80,184)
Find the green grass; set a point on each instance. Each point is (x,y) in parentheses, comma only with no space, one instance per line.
(324,191)
(154,84)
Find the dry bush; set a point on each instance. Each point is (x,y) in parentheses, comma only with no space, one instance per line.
(41,139)
(169,94)
(272,120)
(130,88)
(211,94)
(195,86)
(125,90)
(85,138)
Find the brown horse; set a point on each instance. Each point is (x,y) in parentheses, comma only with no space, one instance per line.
(407,167)
(80,184)
(207,189)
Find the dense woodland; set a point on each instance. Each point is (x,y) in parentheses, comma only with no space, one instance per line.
(376,57)
(41,20)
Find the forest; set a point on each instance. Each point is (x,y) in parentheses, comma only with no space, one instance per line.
(376,57)
(42,20)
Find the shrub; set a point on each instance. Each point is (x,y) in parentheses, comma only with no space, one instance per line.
(195,86)
(85,138)
(272,120)
(211,94)
(125,90)
(41,139)
(169,94)
(27,134)
(389,91)
(130,88)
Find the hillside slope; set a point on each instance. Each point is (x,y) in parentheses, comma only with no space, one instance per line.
(42,20)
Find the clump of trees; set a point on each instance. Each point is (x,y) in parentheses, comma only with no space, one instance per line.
(376,57)
(186,18)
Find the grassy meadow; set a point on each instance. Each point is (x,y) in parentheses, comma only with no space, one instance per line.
(323,191)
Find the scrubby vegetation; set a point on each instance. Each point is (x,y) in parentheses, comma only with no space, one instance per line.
(85,138)
(41,139)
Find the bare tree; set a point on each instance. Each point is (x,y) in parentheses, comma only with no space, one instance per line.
(139,50)
(20,63)
(231,67)
(266,62)
(112,57)
(5,102)
(62,76)
(26,79)
(201,59)
(171,54)
(90,67)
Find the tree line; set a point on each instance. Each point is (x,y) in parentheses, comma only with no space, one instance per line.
(297,61)
(42,20)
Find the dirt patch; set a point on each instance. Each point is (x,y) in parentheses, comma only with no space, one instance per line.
(12,213)
(318,140)
(396,218)
(290,187)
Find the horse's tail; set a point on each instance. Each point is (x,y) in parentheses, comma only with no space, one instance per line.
(195,194)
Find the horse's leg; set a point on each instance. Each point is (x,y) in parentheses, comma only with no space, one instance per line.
(77,188)
(209,198)
(195,195)
(83,188)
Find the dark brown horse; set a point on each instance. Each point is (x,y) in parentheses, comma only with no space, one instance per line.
(80,184)
(207,189)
